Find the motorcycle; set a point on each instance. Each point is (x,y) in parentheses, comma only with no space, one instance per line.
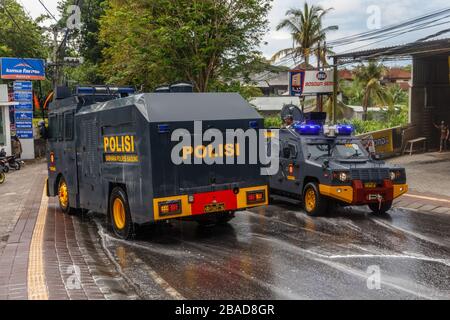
(9,162)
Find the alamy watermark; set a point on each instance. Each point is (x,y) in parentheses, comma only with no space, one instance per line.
(73,282)
(374,278)
(74,17)
(234,146)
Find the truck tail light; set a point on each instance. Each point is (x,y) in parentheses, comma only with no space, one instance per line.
(170,208)
(255,197)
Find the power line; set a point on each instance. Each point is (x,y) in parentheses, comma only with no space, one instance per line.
(48,11)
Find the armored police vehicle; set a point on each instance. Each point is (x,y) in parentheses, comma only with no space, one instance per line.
(324,165)
(111,151)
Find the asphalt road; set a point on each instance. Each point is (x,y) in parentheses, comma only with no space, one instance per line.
(280,253)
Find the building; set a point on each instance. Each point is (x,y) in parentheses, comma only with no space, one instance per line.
(430,84)
(275,83)
(5,125)
(271,106)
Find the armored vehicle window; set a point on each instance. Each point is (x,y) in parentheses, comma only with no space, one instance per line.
(351,150)
(68,126)
(60,127)
(289,152)
(317,151)
(53,127)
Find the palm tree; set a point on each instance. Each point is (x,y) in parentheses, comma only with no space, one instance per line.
(369,78)
(306,30)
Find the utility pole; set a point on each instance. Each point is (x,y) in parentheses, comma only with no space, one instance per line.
(335,88)
(319,96)
(55,60)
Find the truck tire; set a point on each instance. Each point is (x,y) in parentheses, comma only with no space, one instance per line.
(313,202)
(120,215)
(63,196)
(385,207)
(2,177)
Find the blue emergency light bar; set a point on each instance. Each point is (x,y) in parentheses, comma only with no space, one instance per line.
(344,130)
(308,129)
(104,90)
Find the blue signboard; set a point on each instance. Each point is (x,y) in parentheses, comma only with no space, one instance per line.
(24,116)
(24,106)
(23,86)
(24,125)
(24,134)
(22,69)
(23,96)
(296,82)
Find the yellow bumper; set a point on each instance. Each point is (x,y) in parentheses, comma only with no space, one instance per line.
(347,194)
(400,189)
(187,208)
(344,194)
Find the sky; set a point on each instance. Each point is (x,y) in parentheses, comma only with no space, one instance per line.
(350,15)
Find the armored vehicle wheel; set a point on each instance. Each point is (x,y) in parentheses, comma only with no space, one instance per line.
(385,207)
(314,203)
(120,215)
(2,177)
(63,196)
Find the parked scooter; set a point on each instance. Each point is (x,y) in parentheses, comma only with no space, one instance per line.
(10,162)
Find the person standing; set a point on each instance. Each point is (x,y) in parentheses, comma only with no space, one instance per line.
(16,147)
(445,134)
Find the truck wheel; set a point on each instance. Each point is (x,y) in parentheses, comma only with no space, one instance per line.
(63,196)
(385,207)
(120,215)
(314,204)
(2,177)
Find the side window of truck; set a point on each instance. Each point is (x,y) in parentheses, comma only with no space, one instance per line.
(68,126)
(289,151)
(60,127)
(53,126)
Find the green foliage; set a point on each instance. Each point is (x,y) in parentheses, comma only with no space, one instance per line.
(246,91)
(273,122)
(306,29)
(159,41)
(397,117)
(22,40)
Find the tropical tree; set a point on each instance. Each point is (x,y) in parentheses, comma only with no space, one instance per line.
(306,30)
(368,77)
(152,42)
(20,36)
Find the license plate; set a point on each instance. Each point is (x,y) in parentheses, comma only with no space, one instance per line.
(370,185)
(373,197)
(211,208)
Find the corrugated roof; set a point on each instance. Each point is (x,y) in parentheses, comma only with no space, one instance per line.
(408,49)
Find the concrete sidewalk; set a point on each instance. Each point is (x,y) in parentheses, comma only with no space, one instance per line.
(47,255)
(429,182)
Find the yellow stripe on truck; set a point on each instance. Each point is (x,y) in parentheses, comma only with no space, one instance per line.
(344,194)
(186,209)
(242,197)
(400,189)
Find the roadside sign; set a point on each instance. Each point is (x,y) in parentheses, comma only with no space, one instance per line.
(24,134)
(22,69)
(296,82)
(318,82)
(24,116)
(23,86)
(24,125)
(23,96)
(24,106)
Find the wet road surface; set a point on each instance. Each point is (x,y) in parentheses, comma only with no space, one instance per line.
(279,252)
